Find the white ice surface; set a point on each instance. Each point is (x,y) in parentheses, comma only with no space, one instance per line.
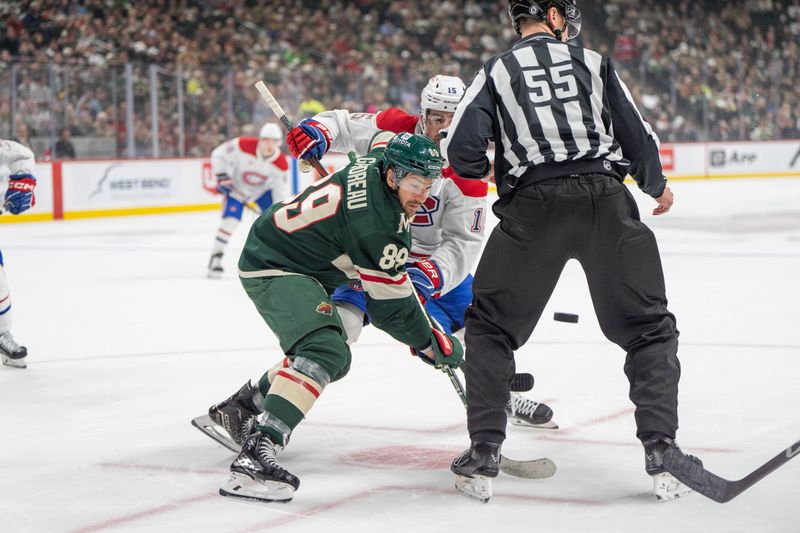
(128,341)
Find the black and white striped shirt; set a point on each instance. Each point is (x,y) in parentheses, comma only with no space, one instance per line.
(552,110)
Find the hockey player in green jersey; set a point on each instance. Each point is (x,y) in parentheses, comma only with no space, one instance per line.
(354,225)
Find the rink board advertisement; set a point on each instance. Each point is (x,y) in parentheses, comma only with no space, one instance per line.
(129,186)
(97,188)
(776,159)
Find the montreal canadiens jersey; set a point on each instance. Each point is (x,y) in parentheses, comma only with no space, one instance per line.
(252,175)
(449,227)
(14,159)
(349,226)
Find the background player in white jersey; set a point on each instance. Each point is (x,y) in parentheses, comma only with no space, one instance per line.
(247,169)
(16,162)
(447,231)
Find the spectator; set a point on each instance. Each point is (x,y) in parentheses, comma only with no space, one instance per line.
(740,52)
(64,147)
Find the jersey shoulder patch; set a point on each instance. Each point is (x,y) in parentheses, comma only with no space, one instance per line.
(248,145)
(281,162)
(396,120)
(473,188)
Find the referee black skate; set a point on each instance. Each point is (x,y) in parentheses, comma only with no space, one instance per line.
(566,134)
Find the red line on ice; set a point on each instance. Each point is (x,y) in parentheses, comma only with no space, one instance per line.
(147,513)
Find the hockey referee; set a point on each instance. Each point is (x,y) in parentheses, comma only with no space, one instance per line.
(566,134)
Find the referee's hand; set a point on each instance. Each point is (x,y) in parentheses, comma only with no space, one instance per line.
(664,202)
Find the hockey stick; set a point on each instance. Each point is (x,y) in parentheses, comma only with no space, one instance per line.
(530,469)
(276,108)
(252,206)
(721,490)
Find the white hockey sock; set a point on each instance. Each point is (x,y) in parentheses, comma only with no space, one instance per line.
(5,303)
(224,233)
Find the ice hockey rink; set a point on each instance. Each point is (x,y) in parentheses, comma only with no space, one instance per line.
(129,341)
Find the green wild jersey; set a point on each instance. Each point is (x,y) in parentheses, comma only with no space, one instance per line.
(348,226)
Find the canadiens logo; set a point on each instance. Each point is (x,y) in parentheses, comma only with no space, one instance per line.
(325,308)
(424,215)
(355,285)
(254,178)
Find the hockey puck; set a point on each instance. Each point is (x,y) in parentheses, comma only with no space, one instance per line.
(521,382)
(565,317)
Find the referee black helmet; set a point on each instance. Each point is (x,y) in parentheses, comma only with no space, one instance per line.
(537,9)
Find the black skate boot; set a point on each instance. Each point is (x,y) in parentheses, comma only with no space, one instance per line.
(256,474)
(237,415)
(474,469)
(665,485)
(524,412)
(215,266)
(12,353)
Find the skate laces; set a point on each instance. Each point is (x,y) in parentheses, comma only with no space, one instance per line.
(521,405)
(267,451)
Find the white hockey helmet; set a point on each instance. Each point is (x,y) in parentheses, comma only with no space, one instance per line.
(442,93)
(270,130)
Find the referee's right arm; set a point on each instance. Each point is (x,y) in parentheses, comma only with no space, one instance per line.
(471,130)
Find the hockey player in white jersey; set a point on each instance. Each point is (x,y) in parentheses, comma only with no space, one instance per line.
(447,231)
(248,170)
(16,162)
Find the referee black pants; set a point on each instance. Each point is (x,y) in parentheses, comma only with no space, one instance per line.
(592,218)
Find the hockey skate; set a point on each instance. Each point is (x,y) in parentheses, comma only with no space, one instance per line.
(665,486)
(526,413)
(475,468)
(230,422)
(12,353)
(215,266)
(256,474)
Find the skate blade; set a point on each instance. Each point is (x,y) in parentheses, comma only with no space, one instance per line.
(475,487)
(14,363)
(217,433)
(214,275)
(521,423)
(243,487)
(533,469)
(667,488)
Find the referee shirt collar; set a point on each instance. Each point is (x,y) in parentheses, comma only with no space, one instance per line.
(542,35)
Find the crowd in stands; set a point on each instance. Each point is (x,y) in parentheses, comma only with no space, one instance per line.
(700,69)
(715,69)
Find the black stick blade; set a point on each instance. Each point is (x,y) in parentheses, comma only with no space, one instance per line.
(693,475)
(721,490)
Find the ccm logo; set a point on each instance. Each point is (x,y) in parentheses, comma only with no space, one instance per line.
(17,186)
(793,450)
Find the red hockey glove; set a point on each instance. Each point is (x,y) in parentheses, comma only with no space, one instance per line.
(308,139)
